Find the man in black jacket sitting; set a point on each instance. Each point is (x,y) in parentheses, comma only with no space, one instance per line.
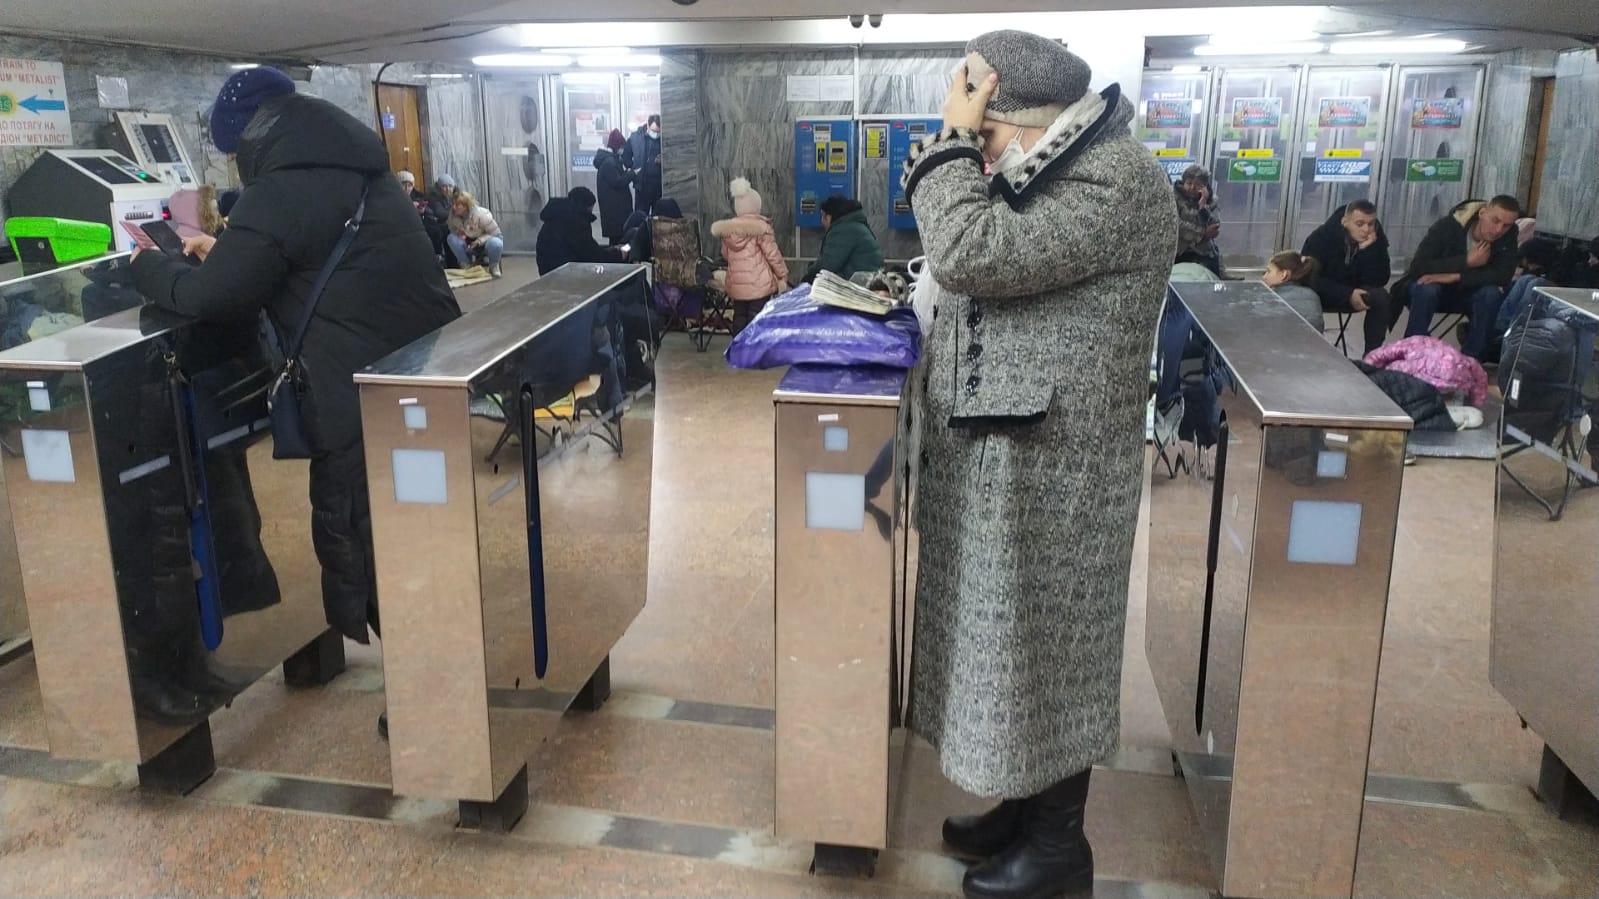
(1463,266)
(1351,250)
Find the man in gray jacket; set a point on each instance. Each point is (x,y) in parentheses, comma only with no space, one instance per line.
(1051,275)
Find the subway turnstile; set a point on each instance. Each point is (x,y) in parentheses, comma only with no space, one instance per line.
(1273,506)
(162,550)
(509,460)
(837,648)
(1546,572)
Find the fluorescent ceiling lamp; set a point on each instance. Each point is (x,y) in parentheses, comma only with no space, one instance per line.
(621,61)
(1378,48)
(1187,70)
(241,66)
(441,75)
(1301,48)
(523,60)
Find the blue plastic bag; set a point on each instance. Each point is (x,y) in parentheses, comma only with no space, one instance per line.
(794,330)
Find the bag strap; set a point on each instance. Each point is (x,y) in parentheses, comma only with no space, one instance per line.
(351,227)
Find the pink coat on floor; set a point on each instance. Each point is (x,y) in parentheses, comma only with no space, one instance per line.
(755,266)
(1437,363)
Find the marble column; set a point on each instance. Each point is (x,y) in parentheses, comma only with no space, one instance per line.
(1569,197)
(680,130)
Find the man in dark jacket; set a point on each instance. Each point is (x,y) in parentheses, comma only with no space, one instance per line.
(1463,266)
(643,155)
(849,246)
(616,200)
(567,233)
(304,164)
(436,217)
(1351,252)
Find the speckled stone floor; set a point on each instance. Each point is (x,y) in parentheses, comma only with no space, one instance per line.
(667,790)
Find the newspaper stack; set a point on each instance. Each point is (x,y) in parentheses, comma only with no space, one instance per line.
(831,290)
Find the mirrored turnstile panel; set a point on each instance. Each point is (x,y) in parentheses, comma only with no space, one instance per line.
(1340,145)
(1546,572)
(1432,151)
(1273,508)
(166,558)
(510,460)
(1253,158)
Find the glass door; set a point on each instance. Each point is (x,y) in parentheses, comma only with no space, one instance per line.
(1254,133)
(517,136)
(1339,146)
(1173,118)
(1431,153)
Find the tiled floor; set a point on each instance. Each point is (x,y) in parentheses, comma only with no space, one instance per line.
(668,790)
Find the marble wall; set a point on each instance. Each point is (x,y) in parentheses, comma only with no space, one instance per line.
(1511,116)
(454,117)
(1569,203)
(181,84)
(680,128)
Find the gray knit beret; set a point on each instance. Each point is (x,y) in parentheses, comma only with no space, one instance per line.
(1038,77)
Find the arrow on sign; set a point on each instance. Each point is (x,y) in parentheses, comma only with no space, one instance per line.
(37,106)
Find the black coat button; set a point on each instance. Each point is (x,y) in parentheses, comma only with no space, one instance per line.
(974,350)
(972,382)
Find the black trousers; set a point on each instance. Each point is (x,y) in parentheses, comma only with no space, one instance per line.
(744,311)
(1379,316)
(341,531)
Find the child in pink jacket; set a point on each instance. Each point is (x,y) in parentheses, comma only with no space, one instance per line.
(756,271)
(1437,363)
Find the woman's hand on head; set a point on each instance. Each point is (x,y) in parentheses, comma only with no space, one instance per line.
(966,110)
(199,246)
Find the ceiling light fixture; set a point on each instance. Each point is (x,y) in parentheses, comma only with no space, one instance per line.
(623,61)
(1245,38)
(241,66)
(1378,48)
(1187,70)
(523,60)
(595,51)
(1299,48)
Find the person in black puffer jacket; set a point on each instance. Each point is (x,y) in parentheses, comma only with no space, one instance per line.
(616,195)
(567,234)
(304,164)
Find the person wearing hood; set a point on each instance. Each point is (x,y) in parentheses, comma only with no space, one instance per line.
(848,244)
(756,271)
(1463,266)
(1030,473)
(567,233)
(642,154)
(616,197)
(1351,253)
(305,166)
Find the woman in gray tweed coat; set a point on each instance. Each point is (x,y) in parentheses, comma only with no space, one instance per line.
(1051,276)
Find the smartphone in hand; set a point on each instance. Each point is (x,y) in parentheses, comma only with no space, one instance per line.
(167,241)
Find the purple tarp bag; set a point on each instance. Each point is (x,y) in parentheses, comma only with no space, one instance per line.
(794,330)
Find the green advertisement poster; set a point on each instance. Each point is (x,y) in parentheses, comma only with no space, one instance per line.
(1248,170)
(1435,170)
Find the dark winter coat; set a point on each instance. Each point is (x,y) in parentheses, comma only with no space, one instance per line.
(849,246)
(1443,251)
(642,154)
(1420,400)
(1343,267)
(616,199)
(567,235)
(304,164)
(1030,472)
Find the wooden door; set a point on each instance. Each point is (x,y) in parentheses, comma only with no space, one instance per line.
(400,118)
(1546,88)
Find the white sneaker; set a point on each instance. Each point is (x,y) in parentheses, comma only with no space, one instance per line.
(494,270)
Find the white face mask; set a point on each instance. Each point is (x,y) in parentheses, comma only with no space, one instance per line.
(653,133)
(1011,157)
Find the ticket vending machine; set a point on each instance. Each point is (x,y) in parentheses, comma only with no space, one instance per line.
(824,165)
(151,140)
(902,135)
(90,186)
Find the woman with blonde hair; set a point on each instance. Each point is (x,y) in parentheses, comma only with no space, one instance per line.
(473,233)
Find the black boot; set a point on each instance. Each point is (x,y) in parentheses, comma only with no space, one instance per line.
(383,726)
(980,836)
(1051,859)
(158,696)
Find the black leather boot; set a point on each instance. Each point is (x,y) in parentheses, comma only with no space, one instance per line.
(1051,859)
(979,836)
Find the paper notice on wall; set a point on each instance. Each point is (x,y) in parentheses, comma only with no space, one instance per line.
(837,88)
(33,104)
(113,92)
(804,88)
